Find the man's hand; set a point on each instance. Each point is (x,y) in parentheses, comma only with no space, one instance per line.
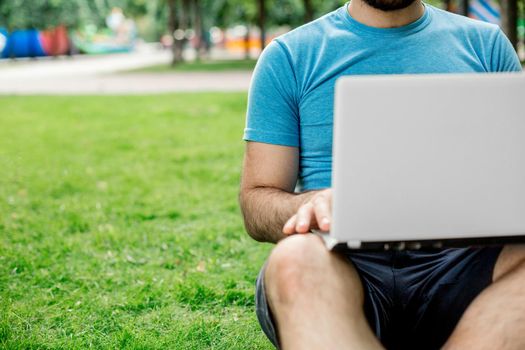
(316,213)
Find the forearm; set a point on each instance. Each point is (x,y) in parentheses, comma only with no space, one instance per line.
(267,209)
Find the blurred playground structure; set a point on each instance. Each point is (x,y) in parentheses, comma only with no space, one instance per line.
(58,41)
(118,36)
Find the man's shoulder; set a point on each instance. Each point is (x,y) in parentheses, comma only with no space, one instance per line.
(461,24)
(312,33)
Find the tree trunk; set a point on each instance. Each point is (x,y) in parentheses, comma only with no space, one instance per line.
(197,24)
(308,11)
(262,21)
(247,43)
(463,7)
(448,6)
(185,15)
(173,24)
(509,20)
(184,24)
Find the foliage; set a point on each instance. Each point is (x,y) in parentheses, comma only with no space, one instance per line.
(43,14)
(22,14)
(280,12)
(120,227)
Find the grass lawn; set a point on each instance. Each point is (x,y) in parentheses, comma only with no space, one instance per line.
(119,224)
(202,66)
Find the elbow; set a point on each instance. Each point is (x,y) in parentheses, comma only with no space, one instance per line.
(251,229)
(249,219)
(254,234)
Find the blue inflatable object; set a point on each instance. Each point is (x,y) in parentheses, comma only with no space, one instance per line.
(4,37)
(23,43)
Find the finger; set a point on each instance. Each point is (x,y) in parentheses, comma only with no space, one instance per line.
(304,218)
(322,213)
(289,227)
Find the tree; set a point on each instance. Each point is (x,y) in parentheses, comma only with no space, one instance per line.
(509,20)
(173,25)
(198,27)
(308,10)
(261,21)
(45,14)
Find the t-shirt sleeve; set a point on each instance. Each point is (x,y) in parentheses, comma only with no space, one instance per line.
(504,58)
(272,115)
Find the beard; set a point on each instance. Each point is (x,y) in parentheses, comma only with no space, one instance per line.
(389,5)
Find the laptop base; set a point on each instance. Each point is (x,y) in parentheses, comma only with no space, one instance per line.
(429,244)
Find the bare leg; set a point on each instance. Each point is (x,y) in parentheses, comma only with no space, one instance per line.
(496,318)
(316,297)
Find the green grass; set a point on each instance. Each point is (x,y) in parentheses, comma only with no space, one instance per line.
(119,224)
(202,66)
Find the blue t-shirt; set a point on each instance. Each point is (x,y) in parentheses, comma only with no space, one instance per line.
(292,91)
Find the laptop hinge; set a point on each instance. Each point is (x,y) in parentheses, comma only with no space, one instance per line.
(332,242)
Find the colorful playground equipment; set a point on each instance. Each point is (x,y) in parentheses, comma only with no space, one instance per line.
(33,43)
(119,36)
(55,42)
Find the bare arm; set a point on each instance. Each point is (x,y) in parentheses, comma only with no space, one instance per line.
(267,197)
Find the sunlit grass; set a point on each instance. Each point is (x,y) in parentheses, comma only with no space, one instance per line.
(119,224)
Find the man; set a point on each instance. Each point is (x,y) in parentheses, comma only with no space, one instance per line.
(310,298)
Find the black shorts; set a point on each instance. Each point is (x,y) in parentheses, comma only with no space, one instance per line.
(413,299)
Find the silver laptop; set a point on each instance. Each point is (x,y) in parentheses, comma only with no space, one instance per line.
(428,160)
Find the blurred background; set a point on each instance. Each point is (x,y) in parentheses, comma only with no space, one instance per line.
(189,30)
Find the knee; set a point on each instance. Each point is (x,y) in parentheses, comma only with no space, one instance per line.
(291,261)
(301,265)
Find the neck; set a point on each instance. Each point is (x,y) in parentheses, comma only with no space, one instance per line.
(366,14)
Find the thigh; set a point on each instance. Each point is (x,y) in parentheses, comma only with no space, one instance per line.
(511,256)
